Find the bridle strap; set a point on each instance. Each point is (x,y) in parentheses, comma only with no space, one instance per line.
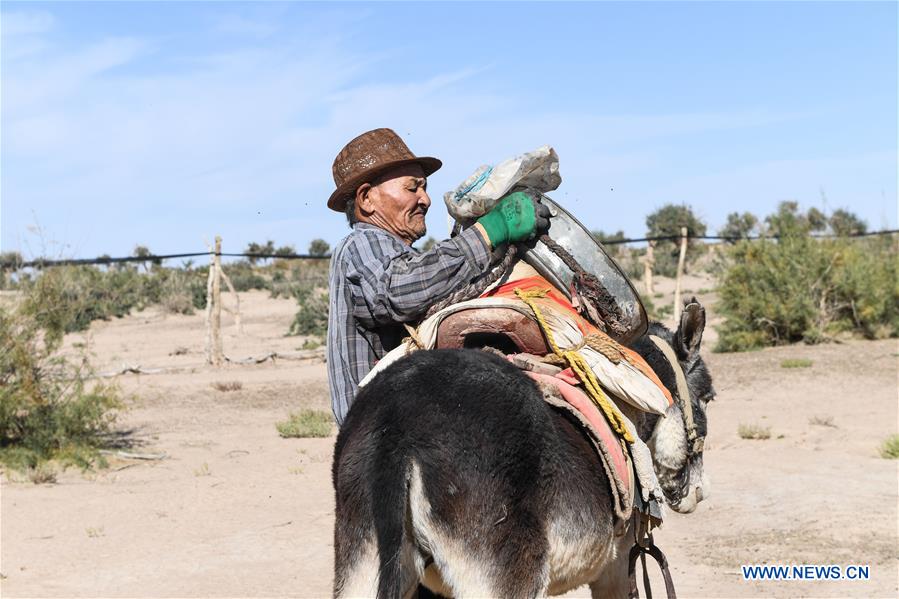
(683,391)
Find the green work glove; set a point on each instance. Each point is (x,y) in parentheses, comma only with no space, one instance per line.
(514,218)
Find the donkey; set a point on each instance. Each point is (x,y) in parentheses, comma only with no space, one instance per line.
(453,472)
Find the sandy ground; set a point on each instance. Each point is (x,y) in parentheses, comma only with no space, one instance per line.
(236,511)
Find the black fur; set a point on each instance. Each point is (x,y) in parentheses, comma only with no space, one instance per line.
(495,462)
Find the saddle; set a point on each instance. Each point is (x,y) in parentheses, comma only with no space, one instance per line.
(518,335)
(499,327)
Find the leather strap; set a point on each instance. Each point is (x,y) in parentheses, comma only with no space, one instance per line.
(683,392)
(653,551)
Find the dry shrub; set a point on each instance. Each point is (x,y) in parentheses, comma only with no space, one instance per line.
(753,431)
(50,408)
(227,386)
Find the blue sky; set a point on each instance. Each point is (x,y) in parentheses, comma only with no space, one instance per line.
(165,124)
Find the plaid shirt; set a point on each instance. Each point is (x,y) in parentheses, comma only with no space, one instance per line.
(376,283)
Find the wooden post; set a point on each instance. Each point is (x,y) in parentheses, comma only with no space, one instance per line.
(214,352)
(209,300)
(217,350)
(680,273)
(236,312)
(649,261)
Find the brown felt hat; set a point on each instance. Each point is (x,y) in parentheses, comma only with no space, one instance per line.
(368,156)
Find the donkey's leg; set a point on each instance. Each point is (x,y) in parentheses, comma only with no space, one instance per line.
(356,569)
(502,557)
(355,551)
(613,580)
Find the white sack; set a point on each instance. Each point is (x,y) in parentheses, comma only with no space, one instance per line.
(481,191)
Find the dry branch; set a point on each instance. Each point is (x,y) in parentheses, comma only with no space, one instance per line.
(236,311)
(128,455)
(300,355)
(680,273)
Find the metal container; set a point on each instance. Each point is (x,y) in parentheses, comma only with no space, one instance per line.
(574,237)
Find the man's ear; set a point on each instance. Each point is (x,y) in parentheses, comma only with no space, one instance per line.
(364,201)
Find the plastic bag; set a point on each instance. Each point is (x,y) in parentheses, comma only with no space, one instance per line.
(481,191)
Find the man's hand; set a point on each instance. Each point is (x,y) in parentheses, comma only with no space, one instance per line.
(517,217)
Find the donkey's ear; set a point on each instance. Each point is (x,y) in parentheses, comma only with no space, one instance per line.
(692,324)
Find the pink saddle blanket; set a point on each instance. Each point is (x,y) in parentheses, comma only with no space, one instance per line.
(608,444)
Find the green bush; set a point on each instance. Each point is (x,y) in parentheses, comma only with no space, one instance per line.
(49,408)
(63,299)
(244,277)
(319,247)
(788,220)
(739,225)
(631,262)
(312,317)
(667,221)
(803,289)
(613,249)
(300,275)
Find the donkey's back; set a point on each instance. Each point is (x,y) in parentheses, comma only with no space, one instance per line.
(453,457)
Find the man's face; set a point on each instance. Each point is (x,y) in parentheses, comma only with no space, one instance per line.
(397,201)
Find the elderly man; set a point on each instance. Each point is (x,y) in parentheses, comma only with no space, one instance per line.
(378,280)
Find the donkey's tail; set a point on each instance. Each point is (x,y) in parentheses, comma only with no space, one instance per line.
(390,505)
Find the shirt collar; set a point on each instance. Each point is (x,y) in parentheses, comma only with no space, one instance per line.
(360,226)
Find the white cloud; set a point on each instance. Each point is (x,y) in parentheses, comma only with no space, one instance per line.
(242,143)
(21,23)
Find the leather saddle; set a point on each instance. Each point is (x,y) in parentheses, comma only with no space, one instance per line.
(506,329)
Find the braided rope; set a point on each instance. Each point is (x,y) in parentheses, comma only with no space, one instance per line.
(479,285)
(606,313)
(579,366)
(608,347)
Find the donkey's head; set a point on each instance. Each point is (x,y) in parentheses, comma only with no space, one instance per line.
(676,441)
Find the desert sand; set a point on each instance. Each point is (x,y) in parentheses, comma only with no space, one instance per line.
(233,510)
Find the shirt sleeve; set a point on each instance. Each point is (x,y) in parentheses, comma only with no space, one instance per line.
(393,283)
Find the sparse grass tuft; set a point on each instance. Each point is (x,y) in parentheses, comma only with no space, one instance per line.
(822,421)
(311,343)
(889,449)
(307,423)
(203,470)
(95,532)
(753,431)
(225,387)
(796,363)
(42,474)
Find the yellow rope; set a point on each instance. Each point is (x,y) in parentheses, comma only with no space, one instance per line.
(578,365)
